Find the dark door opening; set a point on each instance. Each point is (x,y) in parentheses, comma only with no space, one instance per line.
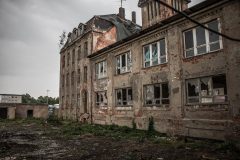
(29,113)
(3,113)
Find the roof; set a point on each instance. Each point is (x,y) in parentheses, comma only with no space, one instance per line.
(10,95)
(163,23)
(124,27)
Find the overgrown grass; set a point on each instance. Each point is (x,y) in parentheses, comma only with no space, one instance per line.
(70,129)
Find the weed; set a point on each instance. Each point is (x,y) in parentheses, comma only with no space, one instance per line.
(151,125)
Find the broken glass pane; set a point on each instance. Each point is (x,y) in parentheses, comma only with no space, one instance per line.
(154,54)
(193,88)
(165,91)
(206,86)
(119,97)
(146,53)
(129,61)
(118,65)
(219,85)
(157,91)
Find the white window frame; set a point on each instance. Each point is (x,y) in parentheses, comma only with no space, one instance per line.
(100,75)
(128,101)
(207,44)
(128,64)
(158,52)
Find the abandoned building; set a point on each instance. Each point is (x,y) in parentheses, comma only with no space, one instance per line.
(11,107)
(183,74)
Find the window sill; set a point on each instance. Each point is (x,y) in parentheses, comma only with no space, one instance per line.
(102,78)
(154,107)
(185,59)
(102,107)
(158,65)
(121,74)
(207,104)
(124,108)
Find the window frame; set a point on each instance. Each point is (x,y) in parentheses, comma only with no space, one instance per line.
(99,102)
(200,96)
(98,69)
(128,65)
(158,53)
(207,40)
(128,102)
(155,99)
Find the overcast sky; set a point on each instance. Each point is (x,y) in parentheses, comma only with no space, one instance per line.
(29,35)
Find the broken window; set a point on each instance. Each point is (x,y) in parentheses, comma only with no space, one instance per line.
(101,70)
(124,63)
(207,90)
(156,94)
(101,98)
(155,54)
(124,97)
(200,41)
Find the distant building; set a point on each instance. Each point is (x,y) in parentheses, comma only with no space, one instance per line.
(11,107)
(10,98)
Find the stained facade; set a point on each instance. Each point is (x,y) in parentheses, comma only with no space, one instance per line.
(184,76)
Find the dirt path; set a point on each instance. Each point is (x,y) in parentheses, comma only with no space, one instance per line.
(37,141)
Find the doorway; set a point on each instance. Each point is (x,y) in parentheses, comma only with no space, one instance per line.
(3,113)
(29,113)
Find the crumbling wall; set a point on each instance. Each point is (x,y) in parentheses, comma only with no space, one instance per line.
(39,111)
(178,118)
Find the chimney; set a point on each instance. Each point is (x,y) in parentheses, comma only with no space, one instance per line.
(122,12)
(133,16)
